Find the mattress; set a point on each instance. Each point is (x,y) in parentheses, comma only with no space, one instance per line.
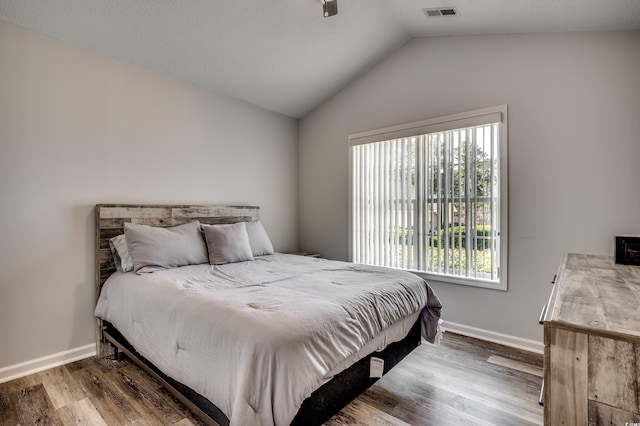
(257,338)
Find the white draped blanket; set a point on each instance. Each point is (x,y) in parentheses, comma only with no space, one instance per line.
(257,338)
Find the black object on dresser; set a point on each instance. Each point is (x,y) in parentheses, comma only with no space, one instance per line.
(628,250)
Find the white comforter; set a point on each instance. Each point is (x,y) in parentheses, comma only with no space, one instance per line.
(257,338)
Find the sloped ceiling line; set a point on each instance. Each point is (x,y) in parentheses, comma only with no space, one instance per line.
(283,55)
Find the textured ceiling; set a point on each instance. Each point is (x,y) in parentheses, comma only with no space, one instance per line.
(283,55)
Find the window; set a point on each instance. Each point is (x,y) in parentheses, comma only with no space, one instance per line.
(430,197)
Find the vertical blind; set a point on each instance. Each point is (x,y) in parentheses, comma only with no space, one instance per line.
(430,201)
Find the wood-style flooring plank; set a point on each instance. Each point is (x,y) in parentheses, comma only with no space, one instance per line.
(139,398)
(80,413)
(516,365)
(113,406)
(61,386)
(8,413)
(33,406)
(12,386)
(157,399)
(359,413)
(184,422)
(463,382)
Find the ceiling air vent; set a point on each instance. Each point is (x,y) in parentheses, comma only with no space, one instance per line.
(441,11)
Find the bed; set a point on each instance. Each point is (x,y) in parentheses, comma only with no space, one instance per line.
(276,340)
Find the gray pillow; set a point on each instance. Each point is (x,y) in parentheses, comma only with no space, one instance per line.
(154,248)
(227,243)
(258,239)
(120,252)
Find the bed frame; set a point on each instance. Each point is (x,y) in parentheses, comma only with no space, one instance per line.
(319,407)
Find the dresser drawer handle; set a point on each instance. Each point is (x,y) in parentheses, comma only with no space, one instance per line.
(541,397)
(542,314)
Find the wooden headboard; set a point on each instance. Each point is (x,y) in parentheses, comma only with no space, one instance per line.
(110,220)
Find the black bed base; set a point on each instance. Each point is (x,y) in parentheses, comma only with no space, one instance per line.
(315,410)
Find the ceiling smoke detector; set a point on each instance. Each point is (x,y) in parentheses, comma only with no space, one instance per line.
(441,11)
(329,7)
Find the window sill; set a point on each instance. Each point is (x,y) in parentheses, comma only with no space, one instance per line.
(492,285)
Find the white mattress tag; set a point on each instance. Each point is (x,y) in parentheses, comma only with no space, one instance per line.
(377,367)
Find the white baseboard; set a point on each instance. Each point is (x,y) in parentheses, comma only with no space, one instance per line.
(40,364)
(492,336)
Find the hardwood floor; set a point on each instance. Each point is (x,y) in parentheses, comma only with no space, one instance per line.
(463,382)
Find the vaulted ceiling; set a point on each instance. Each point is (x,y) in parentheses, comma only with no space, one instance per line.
(284,55)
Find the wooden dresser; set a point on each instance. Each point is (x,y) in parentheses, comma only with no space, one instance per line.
(592,344)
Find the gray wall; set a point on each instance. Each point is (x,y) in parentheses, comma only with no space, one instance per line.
(78,129)
(574,151)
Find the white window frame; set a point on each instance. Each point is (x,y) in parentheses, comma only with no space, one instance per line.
(449,122)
